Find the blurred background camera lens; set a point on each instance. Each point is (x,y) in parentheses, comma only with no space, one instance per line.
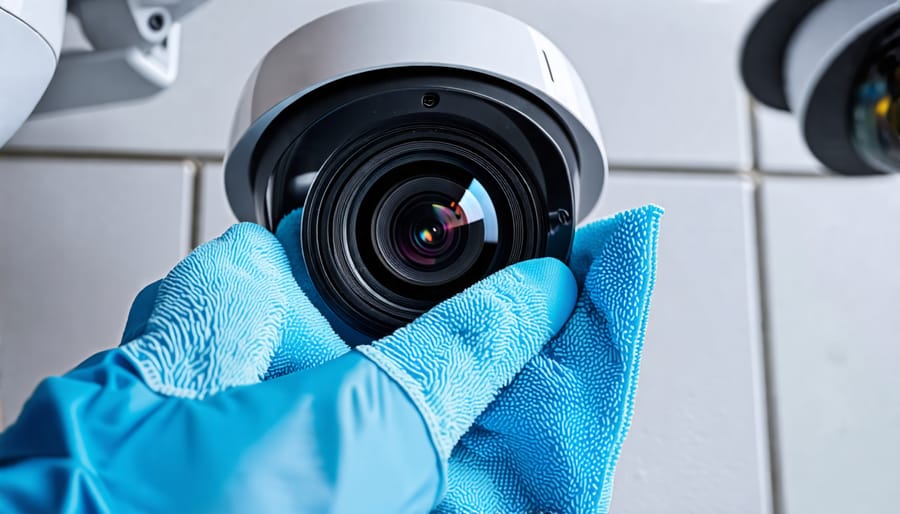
(876,107)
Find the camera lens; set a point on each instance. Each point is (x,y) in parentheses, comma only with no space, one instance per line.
(413,201)
(413,215)
(426,234)
(431,229)
(432,240)
(422,223)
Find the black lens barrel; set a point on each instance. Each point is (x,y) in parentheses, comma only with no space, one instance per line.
(415,200)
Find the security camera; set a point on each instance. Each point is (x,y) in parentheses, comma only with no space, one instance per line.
(834,64)
(429,145)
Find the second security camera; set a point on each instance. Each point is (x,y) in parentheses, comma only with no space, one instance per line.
(834,64)
(429,145)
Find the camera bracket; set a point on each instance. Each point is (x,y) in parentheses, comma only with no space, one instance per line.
(135,53)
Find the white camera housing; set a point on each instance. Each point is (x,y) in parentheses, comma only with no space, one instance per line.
(30,40)
(429,143)
(397,35)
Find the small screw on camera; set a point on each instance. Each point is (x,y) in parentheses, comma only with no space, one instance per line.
(430,100)
(560,217)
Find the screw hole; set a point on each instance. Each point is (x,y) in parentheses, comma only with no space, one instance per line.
(430,100)
(156,22)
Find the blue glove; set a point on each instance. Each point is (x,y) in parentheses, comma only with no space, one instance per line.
(234,395)
(550,441)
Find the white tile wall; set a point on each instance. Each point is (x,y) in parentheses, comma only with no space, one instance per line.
(81,236)
(697,442)
(214,216)
(662,74)
(671,100)
(780,144)
(80,239)
(832,249)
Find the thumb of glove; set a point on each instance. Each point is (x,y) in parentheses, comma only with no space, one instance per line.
(453,360)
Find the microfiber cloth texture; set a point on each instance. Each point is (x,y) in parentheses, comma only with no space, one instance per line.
(550,440)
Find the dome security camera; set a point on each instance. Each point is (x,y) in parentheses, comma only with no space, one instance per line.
(835,65)
(429,143)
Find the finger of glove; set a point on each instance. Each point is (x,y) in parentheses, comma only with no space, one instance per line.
(454,359)
(222,313)
(140,311)
(299,352)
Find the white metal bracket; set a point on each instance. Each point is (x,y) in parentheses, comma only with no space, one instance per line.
(135,53)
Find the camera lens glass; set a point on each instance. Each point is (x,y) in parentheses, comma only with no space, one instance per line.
(408,217)
(425,220)
(876,109)
(426,225)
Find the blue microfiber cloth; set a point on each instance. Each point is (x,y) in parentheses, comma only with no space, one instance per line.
(550,440)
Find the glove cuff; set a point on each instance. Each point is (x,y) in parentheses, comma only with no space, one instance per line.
(440,442)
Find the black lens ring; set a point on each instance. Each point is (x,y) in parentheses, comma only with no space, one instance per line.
(302,140)
(547,144)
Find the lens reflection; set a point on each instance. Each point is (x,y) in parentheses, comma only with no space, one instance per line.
(477,203)
(433,224)
(433,233)
(434,228)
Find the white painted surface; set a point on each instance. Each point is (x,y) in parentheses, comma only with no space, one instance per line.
(214,216)
(832,247)
(781,146)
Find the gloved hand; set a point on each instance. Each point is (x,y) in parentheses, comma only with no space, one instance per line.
(180,418)
(551,440)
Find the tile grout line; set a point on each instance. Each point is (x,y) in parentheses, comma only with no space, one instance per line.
(717,172)
(768,370)
(218,158)
(768,364)
(197,203)
(50,153)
